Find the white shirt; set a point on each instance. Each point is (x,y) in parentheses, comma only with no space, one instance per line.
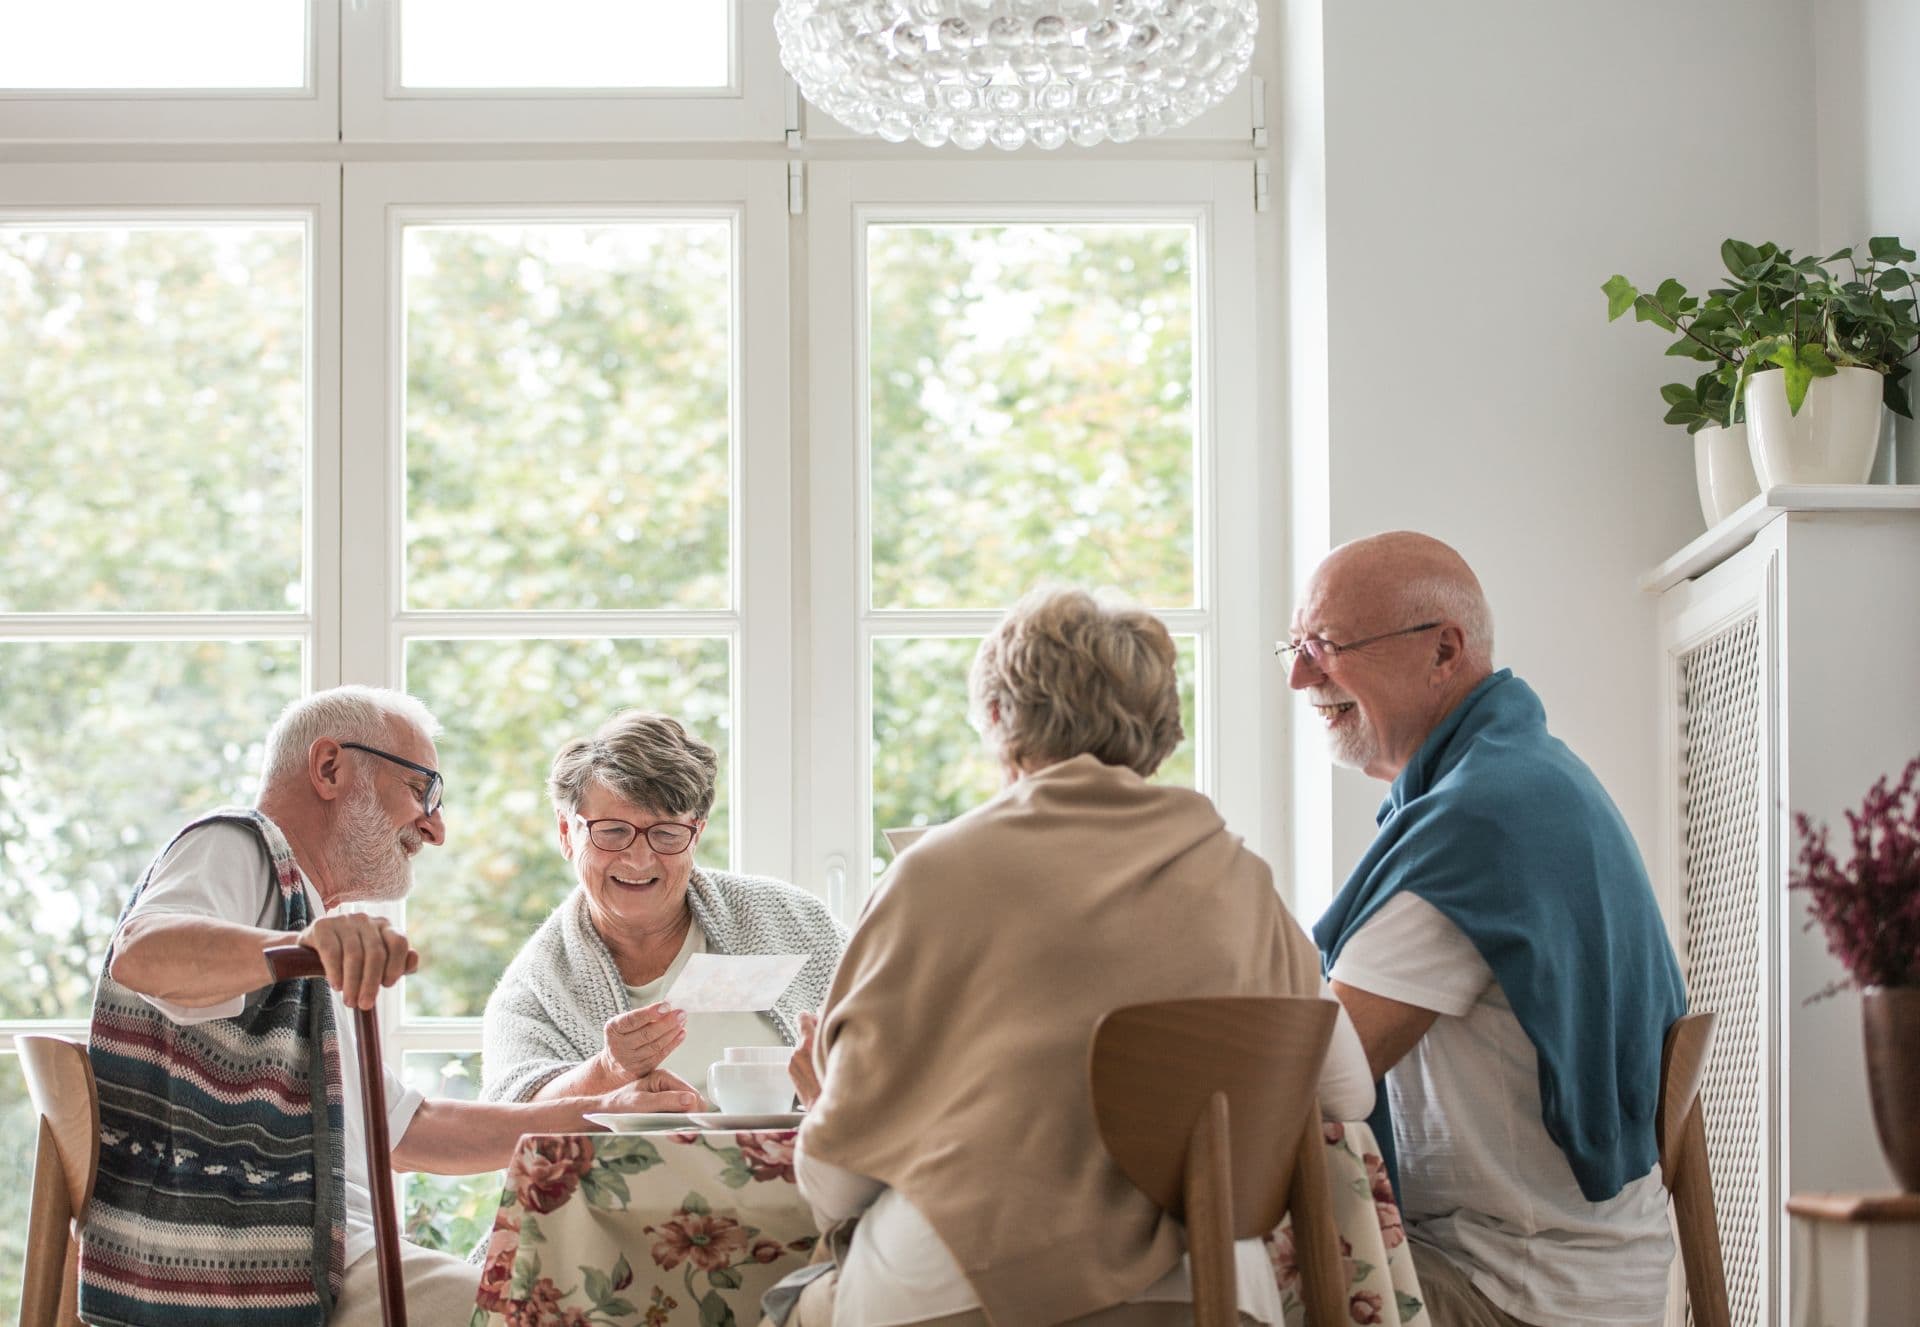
(1480,1177)
(708,1035)
(900,1271)
(221,871)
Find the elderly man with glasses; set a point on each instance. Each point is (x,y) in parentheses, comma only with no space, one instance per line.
(233,1157)
(1500,951)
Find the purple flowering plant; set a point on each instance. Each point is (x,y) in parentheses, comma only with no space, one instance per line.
(1870,907)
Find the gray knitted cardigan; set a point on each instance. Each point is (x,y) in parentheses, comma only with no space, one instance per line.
(551,1007)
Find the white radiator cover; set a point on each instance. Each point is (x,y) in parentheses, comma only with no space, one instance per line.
(1723,921)
(1788,685)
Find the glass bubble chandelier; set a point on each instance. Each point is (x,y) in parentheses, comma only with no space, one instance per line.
(1013,72)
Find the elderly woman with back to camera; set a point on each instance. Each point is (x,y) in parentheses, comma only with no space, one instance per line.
(586,1004)
(950,1110)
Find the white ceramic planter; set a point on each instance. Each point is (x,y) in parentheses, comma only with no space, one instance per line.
(1723,468)
(1831,441)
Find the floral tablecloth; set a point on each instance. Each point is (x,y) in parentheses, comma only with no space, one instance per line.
(662,1229)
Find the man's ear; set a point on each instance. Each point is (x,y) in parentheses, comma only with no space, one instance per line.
(326,769)
(1449,651)
(565,822)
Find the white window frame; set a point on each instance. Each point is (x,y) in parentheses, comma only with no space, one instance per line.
(376,108)
(310,113)
(186,192)
(380,199)
(844,197)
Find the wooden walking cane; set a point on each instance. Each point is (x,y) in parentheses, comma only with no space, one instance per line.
(291,961)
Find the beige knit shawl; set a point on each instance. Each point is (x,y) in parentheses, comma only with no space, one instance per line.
(954,1042)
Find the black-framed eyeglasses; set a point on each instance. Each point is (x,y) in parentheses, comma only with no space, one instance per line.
(1320,650)
(668,838)
(429,795)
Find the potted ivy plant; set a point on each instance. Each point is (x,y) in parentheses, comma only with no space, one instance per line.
(1870,910)
(1712,331)
(1804,351)
(1827,347)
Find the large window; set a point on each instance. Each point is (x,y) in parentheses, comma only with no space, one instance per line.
(1008,396)
(1030,408)
(550,431)
(167,455)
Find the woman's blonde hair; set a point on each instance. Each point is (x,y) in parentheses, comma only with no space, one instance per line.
(647,759)
(1066,674)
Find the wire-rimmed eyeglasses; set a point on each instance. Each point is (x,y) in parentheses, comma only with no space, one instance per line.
(429,795)
(1319,650)
(669,838)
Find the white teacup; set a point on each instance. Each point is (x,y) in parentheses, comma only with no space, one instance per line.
(757,1054)
(745,1088)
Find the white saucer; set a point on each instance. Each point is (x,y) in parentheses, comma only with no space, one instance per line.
(642,1123)
(725,1120)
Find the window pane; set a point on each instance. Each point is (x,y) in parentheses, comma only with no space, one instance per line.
(450,1212)
(105,751)
(140,44)
(928,763)
(1031,396)
(568,415)
(507,706)
(153,417)
(19,1141)
(563,44)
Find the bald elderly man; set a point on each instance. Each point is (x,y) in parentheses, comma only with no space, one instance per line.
(1499,950)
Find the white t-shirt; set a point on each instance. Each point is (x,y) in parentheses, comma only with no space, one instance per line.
(1480,1177)
(900,1271)
(221,871)
(708,1035)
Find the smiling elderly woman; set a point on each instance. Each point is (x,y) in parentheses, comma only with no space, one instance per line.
(581,1009)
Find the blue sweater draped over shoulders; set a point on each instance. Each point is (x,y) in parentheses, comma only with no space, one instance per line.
(1509,834)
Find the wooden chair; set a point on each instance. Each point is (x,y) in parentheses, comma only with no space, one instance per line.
(1681,1131)
(1211,1107)
(291,961)
(60,1084)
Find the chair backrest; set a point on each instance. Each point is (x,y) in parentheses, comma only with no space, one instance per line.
(293,961)
(1680,1128)
(1210,1107)
(60,1084)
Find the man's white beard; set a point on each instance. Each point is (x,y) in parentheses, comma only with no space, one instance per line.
(372,863)
(1354,744)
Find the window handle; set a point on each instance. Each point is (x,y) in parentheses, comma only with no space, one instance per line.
(837,899)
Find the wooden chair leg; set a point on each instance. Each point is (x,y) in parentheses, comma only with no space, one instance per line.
(49,1227)
(1316,1239)
(1209,1219)
(1692,1191)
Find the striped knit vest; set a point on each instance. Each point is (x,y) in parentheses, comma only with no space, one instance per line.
(222,1183)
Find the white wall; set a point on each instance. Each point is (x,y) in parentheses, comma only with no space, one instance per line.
(1487,165)
(1868,105)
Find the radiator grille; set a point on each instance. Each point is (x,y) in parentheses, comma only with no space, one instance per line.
(1721,773)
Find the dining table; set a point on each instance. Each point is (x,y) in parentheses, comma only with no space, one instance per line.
(691,1226)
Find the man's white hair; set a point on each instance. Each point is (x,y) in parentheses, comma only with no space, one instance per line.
(346,714)
(1442,598)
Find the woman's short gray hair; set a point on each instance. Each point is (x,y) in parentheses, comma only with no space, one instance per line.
(1070,674)
(647,759)
(346,714)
